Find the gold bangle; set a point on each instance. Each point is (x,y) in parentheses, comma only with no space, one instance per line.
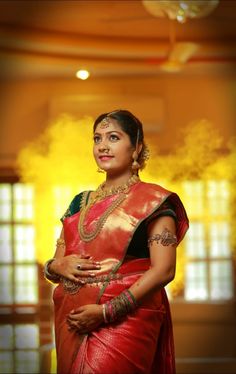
(48,275)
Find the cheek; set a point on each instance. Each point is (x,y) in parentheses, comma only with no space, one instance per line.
(127,154)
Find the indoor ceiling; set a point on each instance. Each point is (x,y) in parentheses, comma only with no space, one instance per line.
(54,39)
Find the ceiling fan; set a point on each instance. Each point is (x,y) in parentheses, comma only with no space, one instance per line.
(179,52)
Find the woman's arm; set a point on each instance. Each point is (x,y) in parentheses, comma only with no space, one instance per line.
(162,255)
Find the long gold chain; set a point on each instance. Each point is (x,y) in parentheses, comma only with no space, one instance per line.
(100,194)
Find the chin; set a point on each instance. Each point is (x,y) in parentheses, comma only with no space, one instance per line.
(106,167)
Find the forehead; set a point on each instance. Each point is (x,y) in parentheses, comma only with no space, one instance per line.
(108,124)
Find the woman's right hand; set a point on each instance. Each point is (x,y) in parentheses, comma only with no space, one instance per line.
(74,266)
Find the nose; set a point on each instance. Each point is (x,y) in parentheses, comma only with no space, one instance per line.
(103,146)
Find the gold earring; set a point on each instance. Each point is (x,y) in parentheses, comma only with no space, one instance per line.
(135,164)
(100,170)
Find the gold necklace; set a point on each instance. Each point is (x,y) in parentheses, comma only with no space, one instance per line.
(100,194)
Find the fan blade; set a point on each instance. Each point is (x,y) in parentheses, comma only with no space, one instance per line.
(182,51)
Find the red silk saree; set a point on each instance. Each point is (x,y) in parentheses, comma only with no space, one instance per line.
(143,341)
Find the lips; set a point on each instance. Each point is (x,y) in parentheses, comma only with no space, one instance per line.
(105,157)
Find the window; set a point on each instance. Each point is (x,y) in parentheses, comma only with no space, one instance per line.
(18,269)
(19,339)
(209,271)
(19,348)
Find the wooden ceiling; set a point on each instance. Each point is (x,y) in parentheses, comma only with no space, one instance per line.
(53,39)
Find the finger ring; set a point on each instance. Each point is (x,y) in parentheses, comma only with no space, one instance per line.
(79,267)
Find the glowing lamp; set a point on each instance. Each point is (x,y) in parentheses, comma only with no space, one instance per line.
(82,74)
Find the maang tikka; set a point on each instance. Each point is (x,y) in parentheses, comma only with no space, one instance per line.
(105,123)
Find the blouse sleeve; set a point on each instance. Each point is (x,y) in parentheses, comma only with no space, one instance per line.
(73,208)
(166,209)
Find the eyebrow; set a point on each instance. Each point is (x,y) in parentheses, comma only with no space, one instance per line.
(108,132)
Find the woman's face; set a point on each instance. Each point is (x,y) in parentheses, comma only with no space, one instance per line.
(112,148)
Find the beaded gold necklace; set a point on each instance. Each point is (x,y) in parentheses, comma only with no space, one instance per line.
(99,195)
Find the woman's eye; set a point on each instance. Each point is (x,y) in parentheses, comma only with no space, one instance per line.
(114,137)
(96,139)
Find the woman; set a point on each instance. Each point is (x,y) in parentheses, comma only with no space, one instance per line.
(116,253)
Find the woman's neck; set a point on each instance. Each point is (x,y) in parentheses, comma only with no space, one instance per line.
(117,180)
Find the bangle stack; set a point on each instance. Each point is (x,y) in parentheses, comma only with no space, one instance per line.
(119,307)
(53,277)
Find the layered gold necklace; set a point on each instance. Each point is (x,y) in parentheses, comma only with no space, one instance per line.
(100,194)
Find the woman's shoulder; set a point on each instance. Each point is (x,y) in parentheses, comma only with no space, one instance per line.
(76,204)
(169,203)
(154,187)
(154,191)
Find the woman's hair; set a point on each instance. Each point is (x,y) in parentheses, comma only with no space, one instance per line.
(132,126)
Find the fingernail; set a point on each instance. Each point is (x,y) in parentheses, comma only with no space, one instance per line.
(98,267)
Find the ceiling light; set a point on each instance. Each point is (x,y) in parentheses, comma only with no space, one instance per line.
(82,74)
(180,10)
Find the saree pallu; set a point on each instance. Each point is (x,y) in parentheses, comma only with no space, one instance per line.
(142,343)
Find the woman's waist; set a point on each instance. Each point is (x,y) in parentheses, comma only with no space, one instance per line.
(115,265)
(131,267)
(115,269)
(134,265)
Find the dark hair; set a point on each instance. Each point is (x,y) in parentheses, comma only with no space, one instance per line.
(131,125)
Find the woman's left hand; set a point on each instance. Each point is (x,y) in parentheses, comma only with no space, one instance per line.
(86,318)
